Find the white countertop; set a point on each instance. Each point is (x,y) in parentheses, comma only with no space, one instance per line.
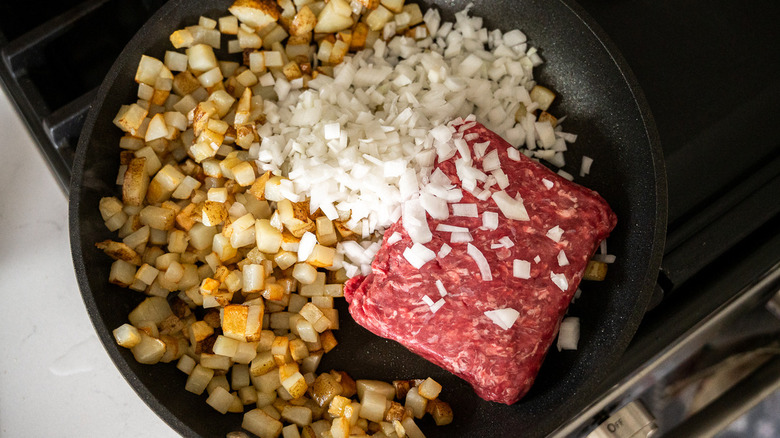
(55,377)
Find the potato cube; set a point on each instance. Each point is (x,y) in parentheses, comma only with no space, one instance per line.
(429,389)
(325,389)
(595,271)
(127,336)
(198,379)
(269,239)
(440,411)
(372,406)
(261,424)
(415,402)
(300,415)
(295,385)
(262,363)
(220,399)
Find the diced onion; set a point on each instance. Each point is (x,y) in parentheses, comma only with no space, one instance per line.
(444,250)
(511,208)
(466,210)
(555,233)
(506,242)
(504,318)
(490,220)
(440,287)
(306,246)
(394,238)
(461,237)
(444,228)
(482,263)
(559,280)
(427,300)
(562,260)
(418,255)
(585,166)
(569,333)
(521,269)
(437,305)
(547,183)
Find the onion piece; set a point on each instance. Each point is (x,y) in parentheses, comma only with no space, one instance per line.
(444,250)
(507,242)
(547,183)
(440,287)
(490,220)
(482,263)
(555,233)
(418,255)
(521,269)
(585,166)
(511,208)
(394,238)
(427,300)
(504,318)
(306,246)
(559,280)
(437,305)
(466,210)
(569,333)
(562,260)
(445,228)
(461,237)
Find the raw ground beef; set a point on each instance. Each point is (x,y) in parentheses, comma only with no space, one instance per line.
(500,364)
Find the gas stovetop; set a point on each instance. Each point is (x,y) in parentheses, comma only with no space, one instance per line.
(710,71)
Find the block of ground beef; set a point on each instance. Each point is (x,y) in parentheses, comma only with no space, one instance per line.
(489,321)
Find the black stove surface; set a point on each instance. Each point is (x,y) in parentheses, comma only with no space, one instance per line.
(710,70)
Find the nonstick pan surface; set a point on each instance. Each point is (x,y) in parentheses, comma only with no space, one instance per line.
(603,105)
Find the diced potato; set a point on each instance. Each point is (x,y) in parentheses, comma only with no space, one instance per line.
(136,182)
(262,363)
(386,389)
(415,402)
(411,428)
(127,336)
(595,271)
(304,22)
(186,364)
(295,385)
(440,411)
(300,415)
(325,389)
(261,424)
(304,273)
(335,16)
(429,389)
(377,18)
(322,256)
(543,96)
(198,379)
(255,13)
(269,239)
(340,427)
(372,406)
(220,399)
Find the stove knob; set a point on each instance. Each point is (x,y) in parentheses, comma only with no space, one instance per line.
(631,421)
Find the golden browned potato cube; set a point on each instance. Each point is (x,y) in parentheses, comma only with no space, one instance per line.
(324,389)
(234,321)
(395,412)
(258,187)
(440,411)
(119,251)
(543,96)
(429,389)
(359,34)
(328,340)
(304,22)
(136,182)
(547,117)
(255,13)
(595,271)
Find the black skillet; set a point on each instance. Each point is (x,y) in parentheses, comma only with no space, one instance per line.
(604,106)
